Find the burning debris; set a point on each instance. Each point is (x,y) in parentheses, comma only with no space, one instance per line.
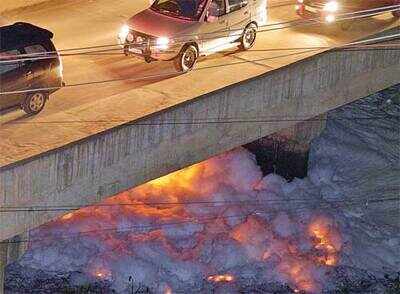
(220,278)
(220,225)
(201,226)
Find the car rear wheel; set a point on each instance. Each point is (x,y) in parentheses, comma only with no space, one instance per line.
(186,59)
(249,37)
(34,103)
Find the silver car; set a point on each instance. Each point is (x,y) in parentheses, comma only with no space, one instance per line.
(183,30)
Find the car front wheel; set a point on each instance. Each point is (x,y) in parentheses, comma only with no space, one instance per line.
(34,103)
(249,37)
(186,59)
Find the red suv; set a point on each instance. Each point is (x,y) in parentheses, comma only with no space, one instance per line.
(331,10)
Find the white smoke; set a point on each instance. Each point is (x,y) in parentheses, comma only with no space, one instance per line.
(239,228)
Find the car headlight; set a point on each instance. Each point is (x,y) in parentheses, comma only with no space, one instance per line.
(330,18)
(124,31)
(163,42)
(332,6)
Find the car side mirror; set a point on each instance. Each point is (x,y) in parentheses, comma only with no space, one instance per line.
(210,18)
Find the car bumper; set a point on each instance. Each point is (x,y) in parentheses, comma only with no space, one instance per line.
(315,14)
(148,51)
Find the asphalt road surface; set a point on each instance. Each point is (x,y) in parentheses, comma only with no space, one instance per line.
(74,112)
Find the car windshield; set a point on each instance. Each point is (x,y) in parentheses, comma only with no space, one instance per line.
(186,9)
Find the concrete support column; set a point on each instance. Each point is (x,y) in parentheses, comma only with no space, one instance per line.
(300,135)
(286,152)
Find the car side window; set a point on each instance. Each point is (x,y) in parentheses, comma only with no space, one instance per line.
(35,49)
(235,5)
(8,62)
(217,8)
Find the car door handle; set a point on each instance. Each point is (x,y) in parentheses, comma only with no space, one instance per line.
(246,12)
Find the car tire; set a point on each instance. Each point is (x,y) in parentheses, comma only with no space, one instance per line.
(34,102)
(249,37)
(186,59)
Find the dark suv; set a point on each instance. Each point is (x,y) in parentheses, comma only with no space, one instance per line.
(30,67)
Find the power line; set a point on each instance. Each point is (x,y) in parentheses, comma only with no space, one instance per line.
(118,51)
(17,57)
(6,209)
(309,21)
(78,207)
(196,121)
(169,74)
(191,220)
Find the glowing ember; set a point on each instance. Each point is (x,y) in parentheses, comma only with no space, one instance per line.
(102,274)
(220,278)
(266,255)
(327,240)
(168,290)
(67,216)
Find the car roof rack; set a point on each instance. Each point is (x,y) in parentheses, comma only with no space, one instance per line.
(22,33)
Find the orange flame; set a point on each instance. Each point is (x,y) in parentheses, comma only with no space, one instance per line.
(326,240)
(67,216)
(168,290)
(221,278)
(102,273)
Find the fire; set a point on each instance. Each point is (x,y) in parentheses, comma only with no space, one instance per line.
(67,216)
(180,183)
(326,240)
(168,290)
(266,255)
(290,247)
(220,278)
(299,270)
(102,273)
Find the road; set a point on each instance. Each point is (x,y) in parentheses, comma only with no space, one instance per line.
(74,113)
